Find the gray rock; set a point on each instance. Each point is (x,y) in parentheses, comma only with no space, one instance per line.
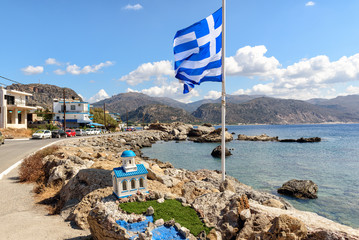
(217,152)
(159,222)
(161,200)
(150,211)
(245,214)
(302,189)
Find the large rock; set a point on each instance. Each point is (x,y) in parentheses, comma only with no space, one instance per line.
(200,130)
(286,227)
(217,152)
(263,137)
(214,136)
(302,189)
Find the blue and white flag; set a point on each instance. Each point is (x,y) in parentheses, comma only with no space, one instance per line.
(198,52)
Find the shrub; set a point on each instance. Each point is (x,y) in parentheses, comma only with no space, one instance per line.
(32,168)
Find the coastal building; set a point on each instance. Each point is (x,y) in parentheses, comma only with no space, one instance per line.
(77,112)
(130,178)
(14,108)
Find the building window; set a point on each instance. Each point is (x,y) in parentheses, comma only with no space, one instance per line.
(10,100)
(73,107)
(142,184)
(133,184)
(124,185)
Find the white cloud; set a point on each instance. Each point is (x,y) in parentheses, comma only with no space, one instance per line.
(250,61)
(213,95)
(31,70)
(83,98)
(159,71)
(52,61)
(133,7)
(352,90)
(59,72)
(131,90)
(310,4)
(76,70)
(101,95)
(308,78)
(173,90)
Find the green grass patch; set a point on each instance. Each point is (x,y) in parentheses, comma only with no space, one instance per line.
(170,209)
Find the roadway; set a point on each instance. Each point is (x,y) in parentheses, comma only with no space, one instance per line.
(14,150)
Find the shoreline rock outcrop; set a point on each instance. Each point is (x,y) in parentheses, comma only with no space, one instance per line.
(302,189)
(234,209)
(264,137)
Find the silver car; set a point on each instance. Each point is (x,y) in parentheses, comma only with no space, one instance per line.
(80,132)
(41,134)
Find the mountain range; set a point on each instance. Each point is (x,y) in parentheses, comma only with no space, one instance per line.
(240,109)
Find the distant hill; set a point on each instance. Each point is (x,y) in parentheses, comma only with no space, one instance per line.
(347,104)
(229,99)
(157,112)
(43,94)
(240,108)
(127,102)
(271,111)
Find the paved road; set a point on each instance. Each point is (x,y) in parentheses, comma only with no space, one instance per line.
(20,216)
(15,150)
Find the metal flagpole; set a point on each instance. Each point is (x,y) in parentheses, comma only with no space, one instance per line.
(223,146)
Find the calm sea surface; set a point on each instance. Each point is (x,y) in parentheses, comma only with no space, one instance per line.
(333,164)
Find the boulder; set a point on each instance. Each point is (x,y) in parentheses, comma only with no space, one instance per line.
(286,227)
(214,136)
(200,130)
(263,137)
(274,203)
(302,189)
(217,152)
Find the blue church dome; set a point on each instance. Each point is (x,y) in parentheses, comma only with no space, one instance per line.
(128,153)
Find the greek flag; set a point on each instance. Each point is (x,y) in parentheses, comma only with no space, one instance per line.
(198,52)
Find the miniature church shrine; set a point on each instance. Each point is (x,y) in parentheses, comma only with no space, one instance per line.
(130,178)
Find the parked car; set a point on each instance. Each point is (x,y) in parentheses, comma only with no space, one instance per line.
(80,132)
(96,131)
(41,134)
(90,131)
(70,132)
(58,133)
(2,138)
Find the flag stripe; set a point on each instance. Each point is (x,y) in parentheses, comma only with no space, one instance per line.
(184,38)
(197,50)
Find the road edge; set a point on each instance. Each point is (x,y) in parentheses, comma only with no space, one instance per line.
(15,165)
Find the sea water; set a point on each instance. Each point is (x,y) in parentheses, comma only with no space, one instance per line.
(333,163)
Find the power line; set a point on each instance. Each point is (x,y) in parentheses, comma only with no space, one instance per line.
(10,80)
(3,84)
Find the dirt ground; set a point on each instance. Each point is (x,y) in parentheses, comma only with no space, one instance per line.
(12,133)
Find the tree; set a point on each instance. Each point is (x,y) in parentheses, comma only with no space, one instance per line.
(98,117)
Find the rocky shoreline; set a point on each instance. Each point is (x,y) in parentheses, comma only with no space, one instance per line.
(81,169)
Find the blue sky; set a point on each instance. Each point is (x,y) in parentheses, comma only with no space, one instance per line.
(283,48)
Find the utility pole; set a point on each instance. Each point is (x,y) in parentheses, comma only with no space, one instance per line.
(127,118)
(64,110)
(104,114)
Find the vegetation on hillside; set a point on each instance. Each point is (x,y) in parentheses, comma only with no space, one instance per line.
(98,117)
(170,209)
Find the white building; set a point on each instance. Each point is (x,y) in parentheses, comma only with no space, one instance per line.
(13,109)
(130,178)
(77,112)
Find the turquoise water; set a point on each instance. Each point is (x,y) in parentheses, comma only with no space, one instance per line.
(333,164)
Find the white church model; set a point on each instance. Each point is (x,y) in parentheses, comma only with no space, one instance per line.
(130,178)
